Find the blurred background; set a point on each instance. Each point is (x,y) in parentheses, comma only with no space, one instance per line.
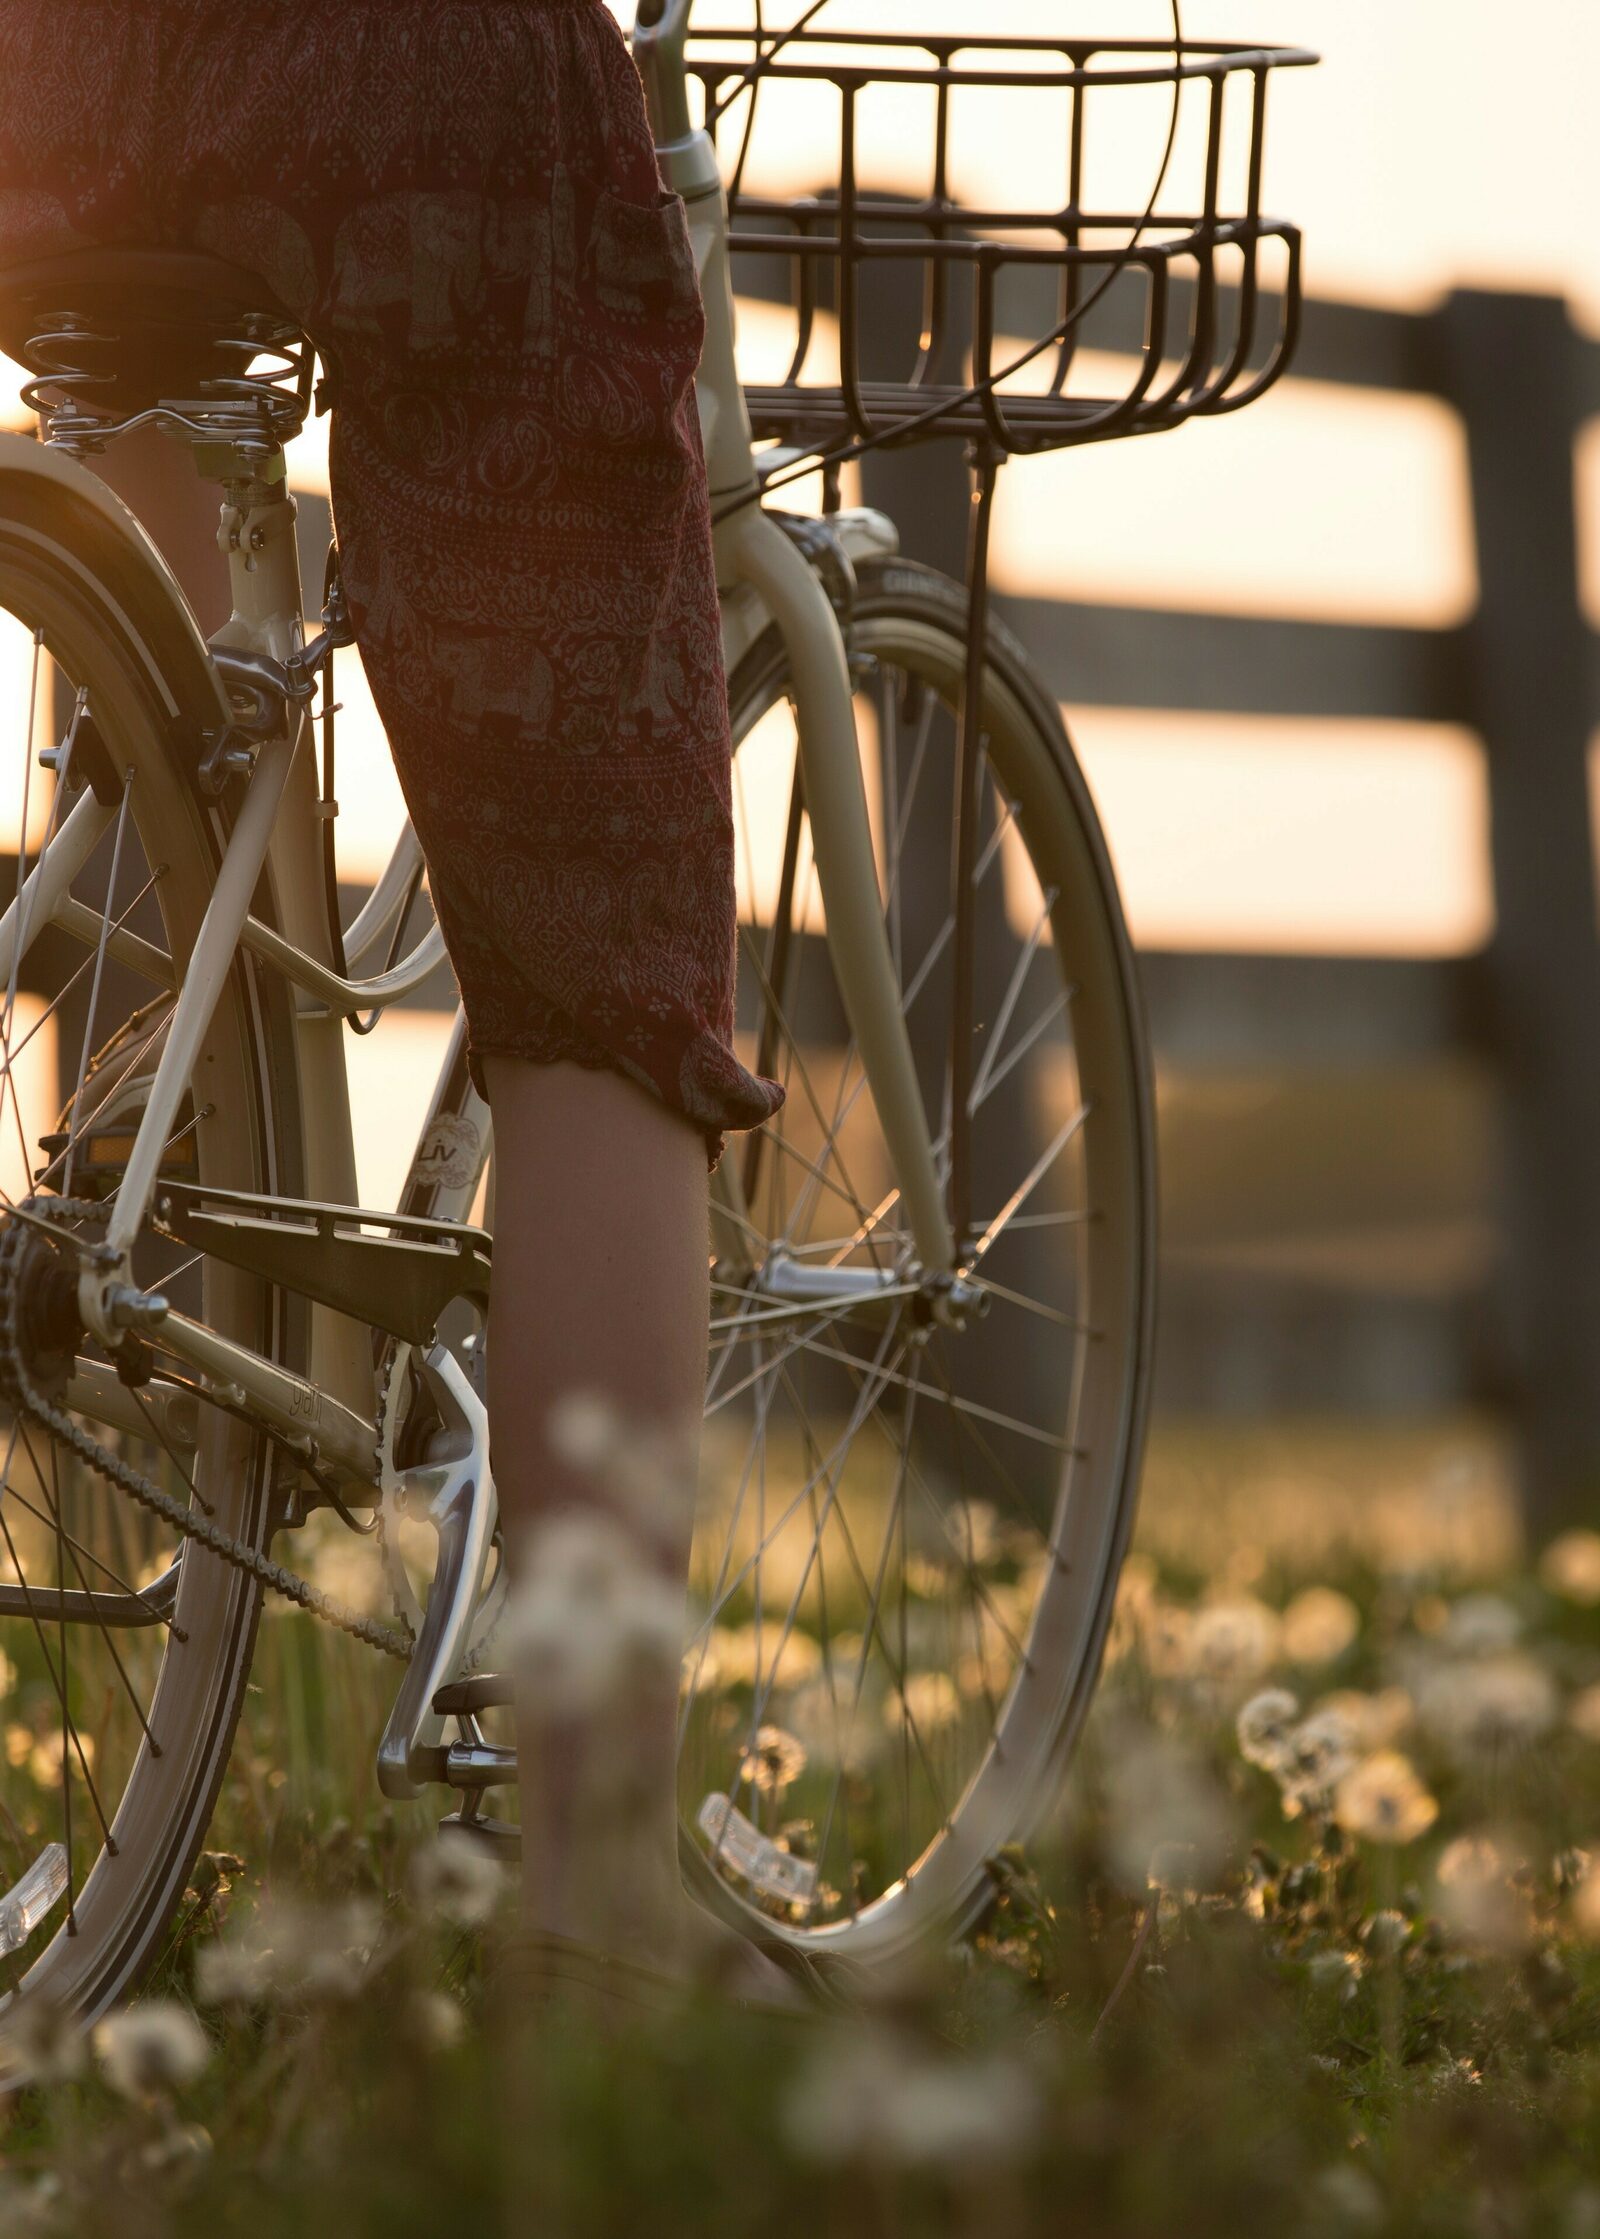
(1330,666)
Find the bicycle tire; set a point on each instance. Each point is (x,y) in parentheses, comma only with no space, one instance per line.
(908,617)
(98,606)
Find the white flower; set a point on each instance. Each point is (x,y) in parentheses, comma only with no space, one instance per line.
(1371,1721)
(1492,1702)
(590,1609)
(930,1701)
(151,2050)
(1307,1757)
(1232,1642)
(1316,1758)
(1384,1801)
(1570,1566)
(1158,1795)
(291,1951)
(646,1467)
(32,2206)
(1318,1626)
(1338,1971)
(1263,1727)
(873,2096)
(1477,1898)
(41,2041)
(1386,1934)
(1481,1625)
(1350,2196)
(239,1972)
(436,2020)
(774,1761)
(453,1880)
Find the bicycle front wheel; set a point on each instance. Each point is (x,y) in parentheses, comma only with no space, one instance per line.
(910,1534)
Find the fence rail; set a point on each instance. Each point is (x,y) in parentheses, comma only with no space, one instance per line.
(1523,673)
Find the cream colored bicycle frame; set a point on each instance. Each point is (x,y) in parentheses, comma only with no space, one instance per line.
(763,577)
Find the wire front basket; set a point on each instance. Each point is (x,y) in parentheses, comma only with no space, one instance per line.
(915,311)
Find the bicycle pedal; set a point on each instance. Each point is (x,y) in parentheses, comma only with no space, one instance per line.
(464,1698)
(495,1838)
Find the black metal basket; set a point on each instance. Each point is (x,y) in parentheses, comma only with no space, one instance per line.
(936,301)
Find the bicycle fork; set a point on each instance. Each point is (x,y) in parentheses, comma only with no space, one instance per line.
(753,550)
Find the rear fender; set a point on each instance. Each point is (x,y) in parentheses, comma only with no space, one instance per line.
(48,497)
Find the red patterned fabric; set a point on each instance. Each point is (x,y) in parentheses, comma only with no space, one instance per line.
(460,203)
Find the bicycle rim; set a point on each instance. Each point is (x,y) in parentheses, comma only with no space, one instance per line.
(116,1733)
(910,1535)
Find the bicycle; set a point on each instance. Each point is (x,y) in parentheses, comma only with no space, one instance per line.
(933,1275)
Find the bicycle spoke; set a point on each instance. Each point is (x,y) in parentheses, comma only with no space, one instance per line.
(64,1539)
(94,986)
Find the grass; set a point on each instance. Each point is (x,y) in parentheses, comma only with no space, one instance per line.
(1216,1998)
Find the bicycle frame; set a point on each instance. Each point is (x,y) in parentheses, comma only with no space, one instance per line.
(763,576)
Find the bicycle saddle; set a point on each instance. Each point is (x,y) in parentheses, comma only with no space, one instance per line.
(122,329)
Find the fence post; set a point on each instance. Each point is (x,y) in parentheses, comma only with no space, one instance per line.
(1508,363)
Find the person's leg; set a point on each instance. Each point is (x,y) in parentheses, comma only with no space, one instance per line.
(600,1292)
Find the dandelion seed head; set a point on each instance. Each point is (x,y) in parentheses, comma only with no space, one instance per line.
(1481,1625)
(1232,1642)
(1318,1626)
(1337,1971)
(1488,1702)
(452,1880)
(1157,1794)
(1570,1567)
(291,1952)
(1263,1726)
(42,2039)
(1477,1898)
(929,1701)
(875,2098)
(1373,1721)
(1317,1755)
(1386,1934)
(151,2050)
(1383,1800)
(591,1608)
(435,2020)
(774,1761)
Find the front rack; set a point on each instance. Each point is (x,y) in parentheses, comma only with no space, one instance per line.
(1134,321)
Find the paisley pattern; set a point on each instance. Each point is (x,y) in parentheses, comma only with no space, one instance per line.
(459,201)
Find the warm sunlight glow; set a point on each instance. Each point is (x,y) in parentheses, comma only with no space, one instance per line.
(392,1073)
(1586,494)
(1330,503)
(31,1098)
(1246,833)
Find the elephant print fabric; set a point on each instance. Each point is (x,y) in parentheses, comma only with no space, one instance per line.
(460,204)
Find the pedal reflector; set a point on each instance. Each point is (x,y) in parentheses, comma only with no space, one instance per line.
(739,1847)
(24,1906)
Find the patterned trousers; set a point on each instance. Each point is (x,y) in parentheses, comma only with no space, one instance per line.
(458,200)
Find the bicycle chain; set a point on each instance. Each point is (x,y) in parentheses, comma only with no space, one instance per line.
(16,1381)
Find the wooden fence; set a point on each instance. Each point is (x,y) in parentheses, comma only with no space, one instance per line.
(1522,674)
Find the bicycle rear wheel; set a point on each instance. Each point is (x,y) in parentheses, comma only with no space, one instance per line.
(124,1653)
(910,1535)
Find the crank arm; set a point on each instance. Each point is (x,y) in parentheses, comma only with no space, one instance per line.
(465,1513)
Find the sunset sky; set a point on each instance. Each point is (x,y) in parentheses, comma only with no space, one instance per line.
(1429,148)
